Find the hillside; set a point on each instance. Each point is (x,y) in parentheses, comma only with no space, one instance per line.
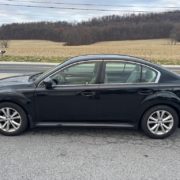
(108,28)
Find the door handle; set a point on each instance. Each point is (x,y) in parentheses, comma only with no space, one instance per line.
(41,93)
(88,93)
(145,91)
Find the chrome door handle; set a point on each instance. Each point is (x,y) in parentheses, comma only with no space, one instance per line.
(145,91)
(88,93)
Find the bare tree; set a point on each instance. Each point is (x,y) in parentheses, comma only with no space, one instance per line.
(4,44)
(175,34)
(106,28)
(173,37)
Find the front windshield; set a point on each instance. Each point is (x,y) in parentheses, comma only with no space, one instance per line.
(43,74)
(40,74)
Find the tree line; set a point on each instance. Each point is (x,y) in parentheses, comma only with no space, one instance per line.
(107,28)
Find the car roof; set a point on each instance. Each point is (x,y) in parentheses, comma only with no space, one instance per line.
(109,57)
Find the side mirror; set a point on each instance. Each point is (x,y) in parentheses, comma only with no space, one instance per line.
(48,83)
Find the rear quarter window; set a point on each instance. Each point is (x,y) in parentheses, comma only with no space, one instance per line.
(148,75)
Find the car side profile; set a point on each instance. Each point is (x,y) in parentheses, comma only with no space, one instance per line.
(96,91)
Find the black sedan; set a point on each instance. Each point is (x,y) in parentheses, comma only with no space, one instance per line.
(96,91)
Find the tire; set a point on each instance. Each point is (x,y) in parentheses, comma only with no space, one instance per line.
(159,122)
(14,117)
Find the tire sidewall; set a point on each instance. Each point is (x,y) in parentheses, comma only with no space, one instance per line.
(24,121)
(145,118)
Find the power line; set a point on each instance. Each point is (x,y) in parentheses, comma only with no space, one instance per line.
(95,4)
(84,9)
(71,8)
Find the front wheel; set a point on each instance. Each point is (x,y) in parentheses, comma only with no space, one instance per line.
(159,122)
(13,120)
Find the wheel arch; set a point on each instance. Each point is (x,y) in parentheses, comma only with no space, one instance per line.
(176,107)
(29,116)
(166,98)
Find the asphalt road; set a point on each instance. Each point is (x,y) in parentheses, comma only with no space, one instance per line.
(23,68)
(87,154)
(28,68)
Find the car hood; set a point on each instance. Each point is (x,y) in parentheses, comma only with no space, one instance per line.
(15,80)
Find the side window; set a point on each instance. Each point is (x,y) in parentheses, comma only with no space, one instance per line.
(122,72)
(148,75)
(84,73)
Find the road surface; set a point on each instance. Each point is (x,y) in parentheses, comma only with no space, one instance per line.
(39,67)
(23,68)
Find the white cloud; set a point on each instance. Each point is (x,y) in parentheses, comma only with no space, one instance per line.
(10,14)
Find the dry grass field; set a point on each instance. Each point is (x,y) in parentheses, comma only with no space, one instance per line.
(159,51)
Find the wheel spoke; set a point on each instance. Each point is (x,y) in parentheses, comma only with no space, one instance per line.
(168,121)
(4,112)
(14,114)
(15,123)
(162,128)
(17,117)
(8,112)
(151,122)
(8,126)
(169,117)
(153,119)
(158,114)
(2,118)
(154,127)
(4,125)
(162,113)
(166,127)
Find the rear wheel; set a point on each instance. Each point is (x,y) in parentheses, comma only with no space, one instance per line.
(13,120)
(159,122)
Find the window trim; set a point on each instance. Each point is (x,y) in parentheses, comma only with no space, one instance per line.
(100,74)
(130,62)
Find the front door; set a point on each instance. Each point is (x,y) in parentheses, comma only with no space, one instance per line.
(73,96)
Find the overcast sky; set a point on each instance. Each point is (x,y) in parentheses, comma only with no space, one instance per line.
(10,14)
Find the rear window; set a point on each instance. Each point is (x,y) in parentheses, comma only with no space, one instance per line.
(126,72)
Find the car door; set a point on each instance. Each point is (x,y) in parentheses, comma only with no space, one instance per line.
(124,86)
(73,95)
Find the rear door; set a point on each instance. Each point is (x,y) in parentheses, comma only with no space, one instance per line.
(124,87)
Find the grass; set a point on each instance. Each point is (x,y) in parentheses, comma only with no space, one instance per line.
(158,51)
(32,59)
